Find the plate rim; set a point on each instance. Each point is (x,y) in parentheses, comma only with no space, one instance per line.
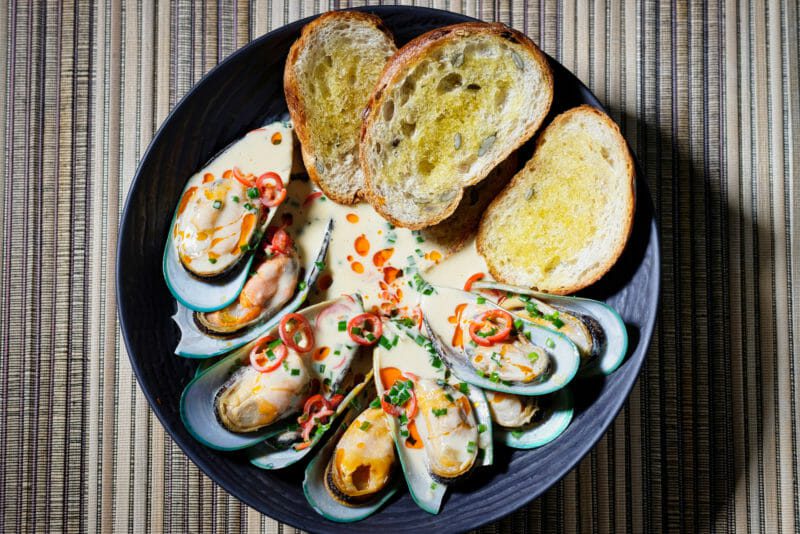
(615,403)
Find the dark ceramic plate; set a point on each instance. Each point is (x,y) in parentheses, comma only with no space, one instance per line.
(241,94)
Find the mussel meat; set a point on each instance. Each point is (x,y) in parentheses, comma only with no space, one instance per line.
(497,349)
(450,433)
(265,293)
(252,399)
(363,460)
(511,411)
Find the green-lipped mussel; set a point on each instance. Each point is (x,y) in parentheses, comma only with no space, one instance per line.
(594,327)
(220,219)
(489,348)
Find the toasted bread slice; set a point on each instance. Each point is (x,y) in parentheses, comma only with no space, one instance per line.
(449,106)
(564,219)
(329,75)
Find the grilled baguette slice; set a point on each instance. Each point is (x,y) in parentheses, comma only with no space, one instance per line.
(564,219)
(449,106)
(329,75)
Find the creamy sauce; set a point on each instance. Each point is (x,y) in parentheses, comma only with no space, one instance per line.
(216,219)
(368,255)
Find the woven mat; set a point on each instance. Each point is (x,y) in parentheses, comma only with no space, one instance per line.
(708,97)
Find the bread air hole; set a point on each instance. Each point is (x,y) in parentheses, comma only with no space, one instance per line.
(425,167)
(405,91)
(501,96)
(388,110)
(606,156)
(449,82)
(408,128)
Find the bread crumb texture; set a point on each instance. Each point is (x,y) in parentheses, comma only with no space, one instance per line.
(340,65)
(451,114)
(567,210)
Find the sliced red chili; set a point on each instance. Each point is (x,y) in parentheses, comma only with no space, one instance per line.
(472,279)
(271,188)
(315,409)
(281,242)
(294,326)
(267,355)
(499,323)
(311,198)
(357,328)
(245,180)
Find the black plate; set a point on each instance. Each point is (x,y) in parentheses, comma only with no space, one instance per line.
(241,94)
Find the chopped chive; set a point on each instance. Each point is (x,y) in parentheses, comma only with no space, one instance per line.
(434,485)
(370,337)
(494,377)
(385,343)
(550,343)
(322,368)
(301,285)
(471,447)
(320,265)
(518,324)
(449,397)
(438,412)
(356,331)
(295,372)
(420,239)
(376,403)
(212,261)
(517,434)
(481,300)
(404,433)
(252,192)
(274,343)
(463,387)
(235,199)
(342,326)
(481,428)
(365,425)
(533,357)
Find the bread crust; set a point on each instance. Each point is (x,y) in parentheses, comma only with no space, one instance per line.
(412,53)
(482,247)
(291,89)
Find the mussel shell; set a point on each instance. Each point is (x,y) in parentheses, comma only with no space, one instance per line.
(195,343)
(198,409)
(427,491)
(550,422)
(217,291)
(278,451)
(608,331)
(206,324)
(563,354)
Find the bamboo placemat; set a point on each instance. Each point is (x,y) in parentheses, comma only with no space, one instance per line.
(707,94)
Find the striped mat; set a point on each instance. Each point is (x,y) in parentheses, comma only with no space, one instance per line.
(707,94)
